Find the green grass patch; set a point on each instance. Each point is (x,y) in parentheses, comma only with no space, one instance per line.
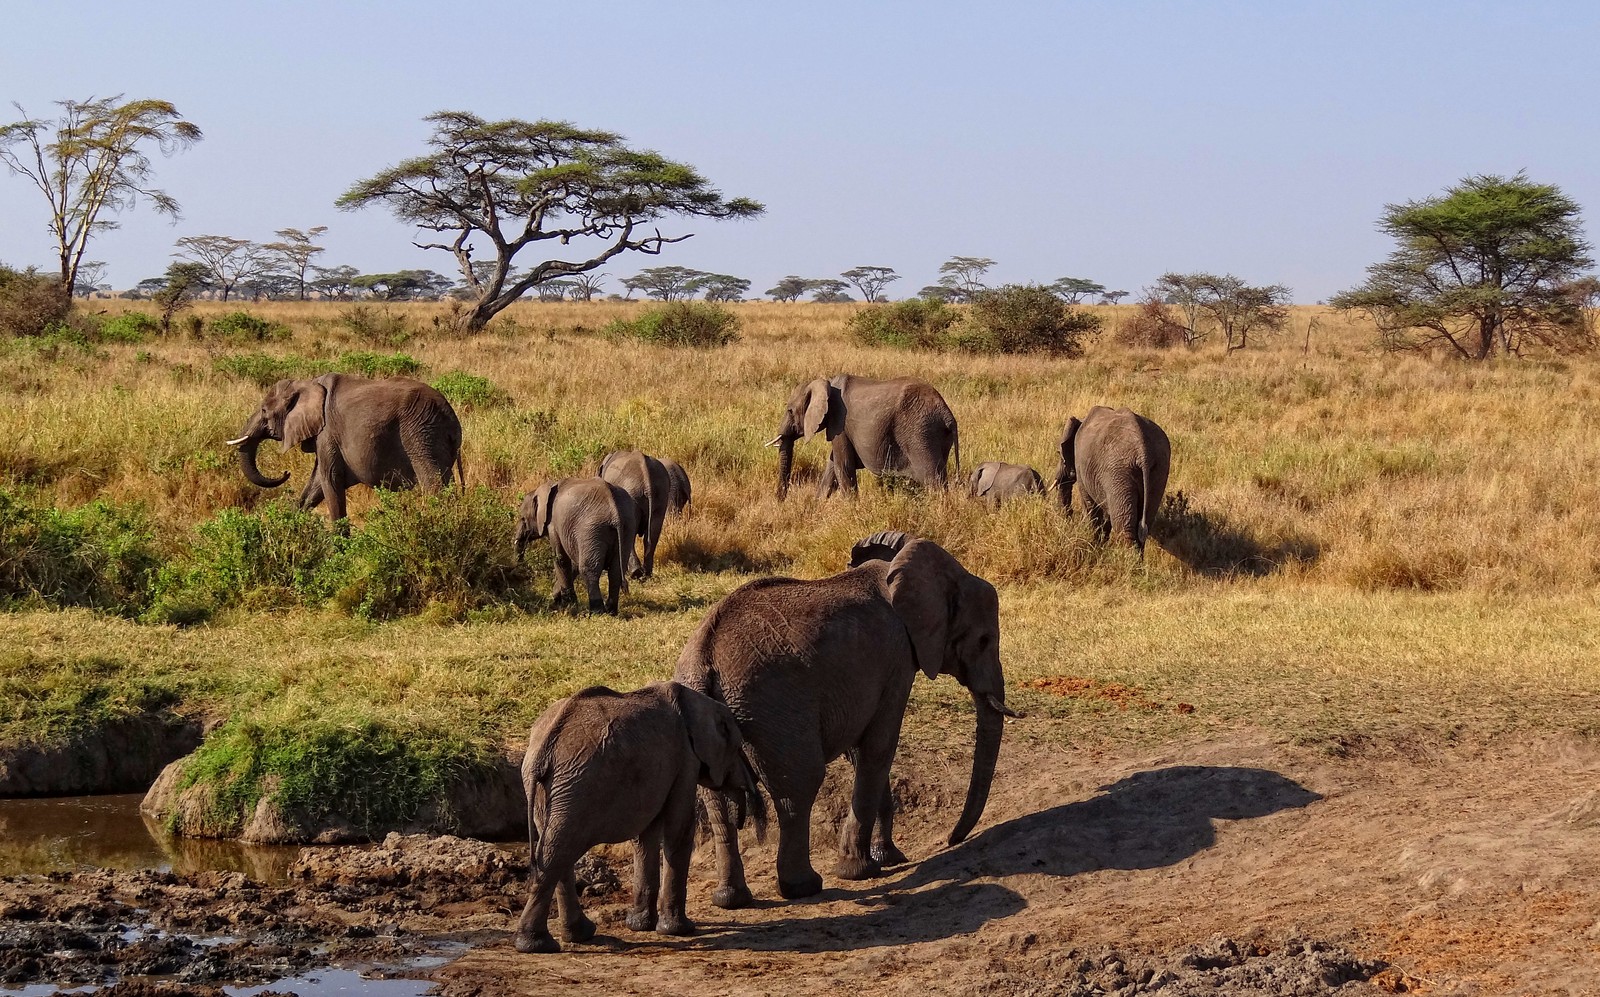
(680,323)
(242,326)
(99,555)
(469,391)
(265,369)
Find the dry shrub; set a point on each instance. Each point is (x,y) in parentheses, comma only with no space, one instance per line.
(1150,327)
(30,302)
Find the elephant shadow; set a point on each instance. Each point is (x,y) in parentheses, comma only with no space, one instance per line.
(1210,544)
(1147,820)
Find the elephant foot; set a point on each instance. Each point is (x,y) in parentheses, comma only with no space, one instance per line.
(795,889)
(675,925)
(888,855)
(596,606)
(641,920)
(857,867)
(580,930)
(536,944)
(732,897)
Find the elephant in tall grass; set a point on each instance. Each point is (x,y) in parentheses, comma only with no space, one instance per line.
(605,766)
(390,433)
(998,482)
(1120,460)
(815,669)
(647,482)
(899,426)
(590,525)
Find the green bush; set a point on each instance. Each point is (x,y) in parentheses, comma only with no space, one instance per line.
(468,391)
(450,552)
(98,555)
(918,323)
(30,302)
(369,364)
(681,323)
(245,327)
(375,773)
(261,369)
(129,327)
(377,325)
(1024,318)
(279,555)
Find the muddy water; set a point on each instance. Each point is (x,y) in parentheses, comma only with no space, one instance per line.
(53,834)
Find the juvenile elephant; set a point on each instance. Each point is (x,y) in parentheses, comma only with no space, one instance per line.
(590,525)
(646,480)
(605,766)
(900,426)
(999,482)
(815,669)
(394,433)
(679,494)
(1120,460)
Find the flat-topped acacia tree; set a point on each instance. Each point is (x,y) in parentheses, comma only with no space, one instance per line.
(505,185)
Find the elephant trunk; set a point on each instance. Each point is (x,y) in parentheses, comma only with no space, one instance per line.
(253,435)
(985,753)
(785,465)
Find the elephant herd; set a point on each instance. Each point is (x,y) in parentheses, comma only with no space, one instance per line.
(782,677)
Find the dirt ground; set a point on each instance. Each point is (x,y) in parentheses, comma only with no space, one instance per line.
(1236,865)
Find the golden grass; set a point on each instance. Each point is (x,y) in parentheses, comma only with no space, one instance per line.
(1413,539)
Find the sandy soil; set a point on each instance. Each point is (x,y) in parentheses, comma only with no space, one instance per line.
(1236,866)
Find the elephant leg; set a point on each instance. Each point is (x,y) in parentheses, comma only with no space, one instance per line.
(652,538)
(677,844)
(311,494)
(1099,519)
(563,593)
(575,927)
(732,891)
(533,931)
(845,464)
(829,482)
(613,585)
(872,759)
(646,878)
(794,790)
(884,849)
(591,585)
(635,565)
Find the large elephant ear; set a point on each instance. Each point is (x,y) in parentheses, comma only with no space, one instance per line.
(819,406)
(713,734)
(304,420)
(544,503)
(921,586)
(1069,437)
(606,462)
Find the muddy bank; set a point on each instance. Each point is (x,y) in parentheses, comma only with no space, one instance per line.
(124,756)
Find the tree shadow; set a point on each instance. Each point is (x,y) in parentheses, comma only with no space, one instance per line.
(1146,821)
(1209,544)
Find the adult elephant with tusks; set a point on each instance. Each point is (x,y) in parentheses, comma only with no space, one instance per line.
(815,669)
(898,426)
(393,433)
(1120,460)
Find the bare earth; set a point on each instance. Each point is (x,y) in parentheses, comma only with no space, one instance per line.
(1235,865)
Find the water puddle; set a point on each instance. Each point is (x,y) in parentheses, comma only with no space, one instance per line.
(61,833)
(322,983)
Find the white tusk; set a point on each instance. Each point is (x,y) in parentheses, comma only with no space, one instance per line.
(775,441)
(234,443)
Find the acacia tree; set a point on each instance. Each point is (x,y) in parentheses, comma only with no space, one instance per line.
(828,291)
(1239,309)
(1073,290)
(584,286)
(1492,264)
(95,166)
(963,277)
(870,281)
(1185,292)
(667,283)
(335,282)
(510,184)
(721,287)
(790,288)
(231,261)
(293,255)
(91,273)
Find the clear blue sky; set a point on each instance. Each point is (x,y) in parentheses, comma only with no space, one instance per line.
(1113,140)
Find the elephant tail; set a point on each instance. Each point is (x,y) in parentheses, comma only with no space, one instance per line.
(620,555)
(1146,513)
(955,440)
(461,472)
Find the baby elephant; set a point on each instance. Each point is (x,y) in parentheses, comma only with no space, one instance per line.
(998,482)
(590,524)
(605,766)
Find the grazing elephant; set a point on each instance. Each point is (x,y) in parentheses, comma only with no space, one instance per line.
(1120,460)
(605,766)
(998,482)
(646,480)
(590,524)
(679,493)
(815,669)
(901,426)
(393,433)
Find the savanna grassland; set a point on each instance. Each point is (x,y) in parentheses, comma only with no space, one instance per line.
(1359,548)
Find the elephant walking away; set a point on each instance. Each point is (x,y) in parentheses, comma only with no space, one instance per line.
(391,433)
(1120,460)
(815,669)
(998,482)
(900,426)
(590,524)
(646,480)
(679,494)
(605,766)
